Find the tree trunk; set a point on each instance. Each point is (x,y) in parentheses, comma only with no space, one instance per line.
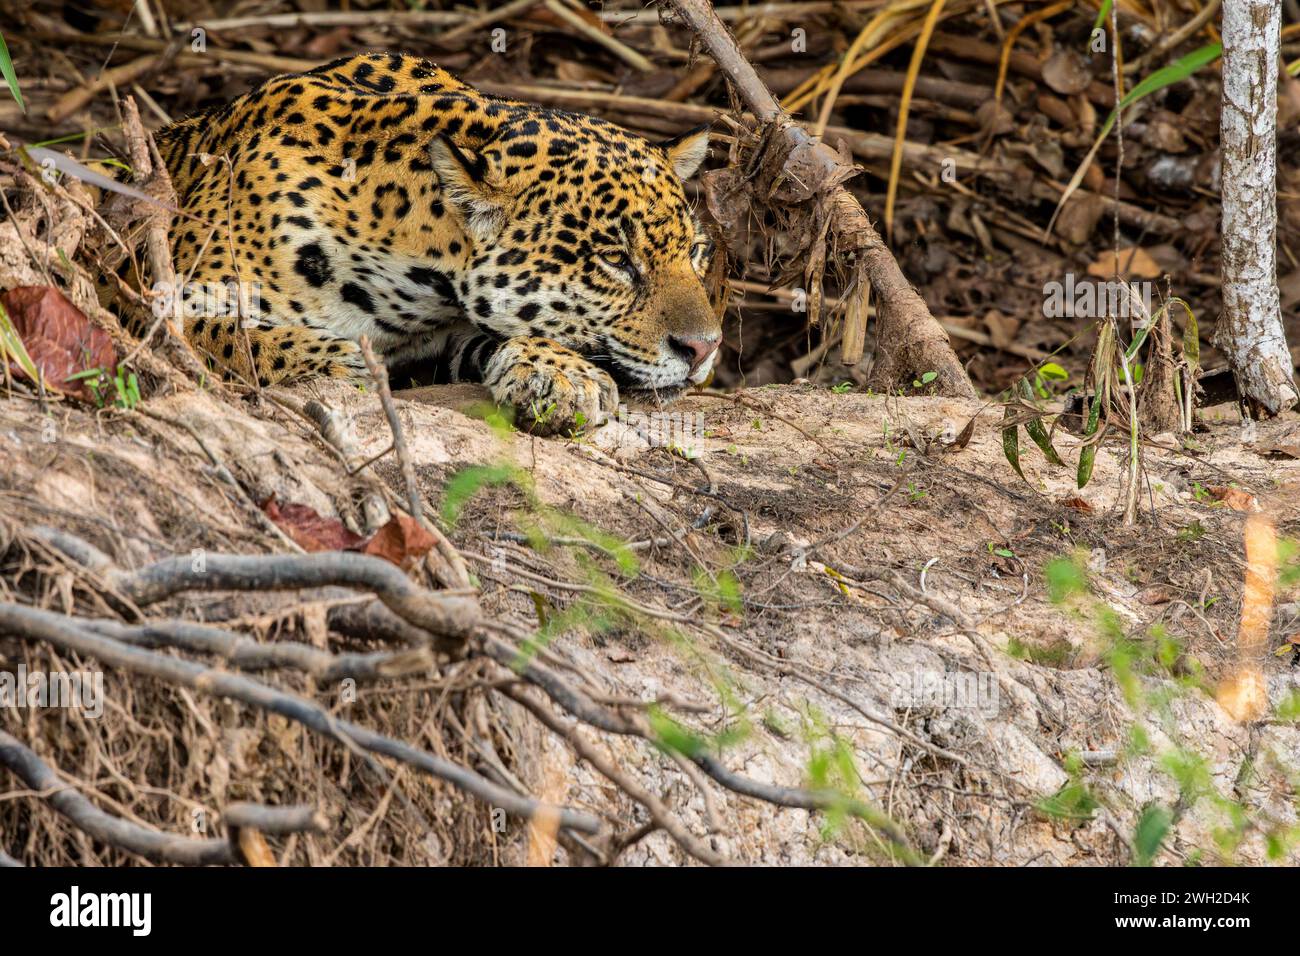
(1250,329)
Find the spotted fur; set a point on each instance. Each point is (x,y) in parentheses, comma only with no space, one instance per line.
(551,255)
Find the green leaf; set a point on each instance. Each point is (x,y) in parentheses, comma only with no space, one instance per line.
(95,373)
(467,483)
(1088,456)
(1191,336)
(1152,828)
(672,736)
(1053,372)
(1101,373)
(7,70)
(1064,578)
(1011,444)
(1072,802)
(1037,430)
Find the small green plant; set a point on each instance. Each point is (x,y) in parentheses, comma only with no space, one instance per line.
(542,414)
(842,387)
(468,482)
(1288,562)
(1066,577)
(1022,411)
(1000,552)
(1074,802)
(1045,375)
(1153,672)
(125,386)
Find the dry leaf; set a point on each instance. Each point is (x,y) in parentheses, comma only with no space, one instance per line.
(1234,498)
(1067,72)
(59,338)
(309,530)
(1154,595)
(1079,217)
(1134,263)
(401,541)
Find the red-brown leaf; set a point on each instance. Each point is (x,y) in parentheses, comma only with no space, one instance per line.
(59,338)
(1234,498)
(402,541)
(309,530)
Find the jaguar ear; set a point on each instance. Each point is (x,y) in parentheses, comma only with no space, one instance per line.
(470,184)
(687,151)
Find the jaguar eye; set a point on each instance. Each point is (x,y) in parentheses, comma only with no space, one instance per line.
(620,261)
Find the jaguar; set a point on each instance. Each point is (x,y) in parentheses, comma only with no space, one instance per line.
(552,256)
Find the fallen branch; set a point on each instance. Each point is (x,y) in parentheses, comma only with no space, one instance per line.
(453,574)
(274,820)
(653,805)
(32,624)
(104,827)
(248,654)
(440,613)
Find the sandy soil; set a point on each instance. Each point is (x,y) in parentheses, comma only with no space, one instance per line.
(854,603)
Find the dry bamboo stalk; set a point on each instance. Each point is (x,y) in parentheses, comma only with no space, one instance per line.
(75,99)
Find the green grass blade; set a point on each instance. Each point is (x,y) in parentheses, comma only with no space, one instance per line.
(1180,69)
(1152,828)
(1175,72)
(1102,14)
(12,348)
(38,156)
(7,70)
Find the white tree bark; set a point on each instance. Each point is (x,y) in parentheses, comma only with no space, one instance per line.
(1250,330)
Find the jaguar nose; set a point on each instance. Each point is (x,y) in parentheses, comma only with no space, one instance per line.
(695,351)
